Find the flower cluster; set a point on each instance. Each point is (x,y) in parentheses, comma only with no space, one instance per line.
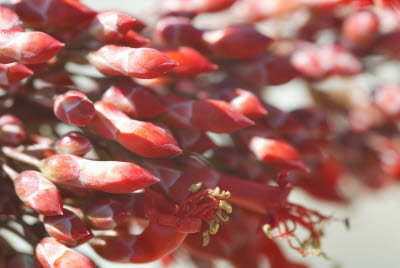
(92,158)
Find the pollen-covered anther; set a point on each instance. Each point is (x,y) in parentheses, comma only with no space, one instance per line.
(195,187)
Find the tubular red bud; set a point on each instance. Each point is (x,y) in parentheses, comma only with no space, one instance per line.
(110,26)
(177,31)
(217,116)
(9,20)
(191,63)
(244,102)
(133,39)
(12,131)
(73,143)
(13,72)
(319,62)
(74,107)
(55,16)
(236,42)
(361,28)
(143,138)
(135,62)
(27,47)
(107,176)
(134,100)
(38,193)
(51,254)
(105,213)
(206,115)
(193,140)
(277,153)
(67,227)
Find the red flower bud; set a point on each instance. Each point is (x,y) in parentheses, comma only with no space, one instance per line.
(38,193)
(12,131)
(51,254)
(73,143)
(177,31)
(361,28)
(244,102)
(73,107)
(9,20)
(107,176)
(110,26)
(105,213)
(67,227)
(193,140)
(143,138)
(13,72)
(133,39)
(134,100)
(318,62)
(27,47)
(191,63)
(236,42)
(135,62)
(206,115)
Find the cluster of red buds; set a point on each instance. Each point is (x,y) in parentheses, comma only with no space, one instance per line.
(93,158)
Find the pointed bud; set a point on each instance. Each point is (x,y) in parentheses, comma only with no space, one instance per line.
(51,254)
(27,47)
(67,228)
(73,143)
(191,63)
(38,193)
(143,138)
(75,108)
(135,62)
(107,176)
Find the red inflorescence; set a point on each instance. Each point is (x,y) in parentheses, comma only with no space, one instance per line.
(170,127)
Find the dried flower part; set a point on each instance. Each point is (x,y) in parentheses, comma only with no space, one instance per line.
(9,20)
(135,62)
(73,143)
(245,102)
(143,138)
(193,140)
(75,108)
(67,227)
(51,254)
(361,28)
(109,26)
(387,98)
(105,213)
(319,62)
(38,193)
(134,100)
(12,131)
(191,8)
(13,72)
(133,39)
(236,42)
(191,63)
(206,115)
(107,176)
(55,16)
(177,31)
(27,47)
